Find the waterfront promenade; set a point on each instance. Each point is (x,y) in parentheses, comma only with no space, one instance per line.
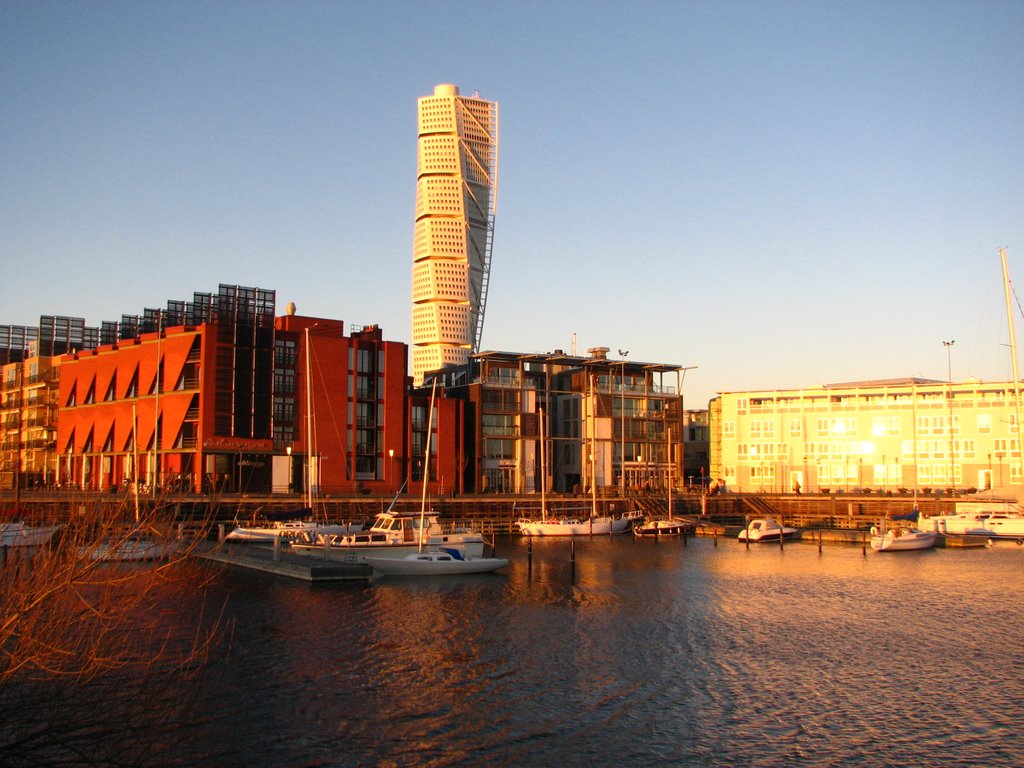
(495,514)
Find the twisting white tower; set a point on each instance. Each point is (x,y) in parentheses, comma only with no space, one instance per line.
(456,195)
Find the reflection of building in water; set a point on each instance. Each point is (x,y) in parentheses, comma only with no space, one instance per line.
(886,436)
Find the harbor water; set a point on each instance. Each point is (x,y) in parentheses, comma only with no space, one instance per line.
(638,653)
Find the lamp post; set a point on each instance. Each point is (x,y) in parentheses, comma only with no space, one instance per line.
(288,450)
(622,423)
(391,462)
(949,399)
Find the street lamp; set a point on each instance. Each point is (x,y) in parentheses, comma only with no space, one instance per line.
(391,462)
(949,392)
(288,450)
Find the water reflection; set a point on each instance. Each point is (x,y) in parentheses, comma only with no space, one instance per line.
(645,653)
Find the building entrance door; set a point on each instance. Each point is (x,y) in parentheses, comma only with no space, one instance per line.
(984,479)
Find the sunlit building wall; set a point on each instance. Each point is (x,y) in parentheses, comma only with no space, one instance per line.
(891,436)
(614,425)
(28,423)
(456,194)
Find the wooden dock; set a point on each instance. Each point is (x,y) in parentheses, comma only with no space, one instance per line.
(280,562)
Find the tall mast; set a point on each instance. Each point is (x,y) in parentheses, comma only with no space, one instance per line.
(135,458)
(593,450)
(543,471)
(156,404)
(670,466)
(307,498)
(1013,355)
(426,465)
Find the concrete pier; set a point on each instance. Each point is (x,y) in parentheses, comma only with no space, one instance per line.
(281,562)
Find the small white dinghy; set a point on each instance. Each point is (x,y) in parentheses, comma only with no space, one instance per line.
(440,562)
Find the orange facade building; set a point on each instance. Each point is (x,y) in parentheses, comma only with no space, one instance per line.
(251,404)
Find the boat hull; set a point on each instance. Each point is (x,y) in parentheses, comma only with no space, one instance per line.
(765,531)
(469,545)
(286,531)
(21,535)
(133,550)
(590,526)
(905,541)
(991,526)
(434,564)
(664,528)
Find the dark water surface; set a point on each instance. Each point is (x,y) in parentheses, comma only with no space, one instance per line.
(655,654)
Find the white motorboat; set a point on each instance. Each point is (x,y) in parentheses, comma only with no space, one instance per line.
(1002,524)
(765,529)
(18,534)
(440,562)
(391,534)
(902,539)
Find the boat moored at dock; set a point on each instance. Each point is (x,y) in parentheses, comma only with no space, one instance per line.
(765,529)
(901,539)
(391,534)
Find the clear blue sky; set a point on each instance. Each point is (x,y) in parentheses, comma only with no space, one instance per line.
(781,193)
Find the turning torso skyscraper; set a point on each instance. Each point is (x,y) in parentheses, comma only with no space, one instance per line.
(456,193)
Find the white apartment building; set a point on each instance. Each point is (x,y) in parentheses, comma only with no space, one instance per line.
(878,436)
(456,196)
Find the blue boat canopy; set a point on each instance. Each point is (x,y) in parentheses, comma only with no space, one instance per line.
(908,516)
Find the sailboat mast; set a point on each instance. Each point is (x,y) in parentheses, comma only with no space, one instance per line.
(135,458)
(543,471)
(593,450)
(156,404)
(307,490)
(426,464)
(1013,351)
(668,454)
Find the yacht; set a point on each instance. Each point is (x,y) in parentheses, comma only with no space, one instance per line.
(765,529)
(391,534)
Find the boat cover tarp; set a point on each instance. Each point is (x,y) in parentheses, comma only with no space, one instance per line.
(912,516)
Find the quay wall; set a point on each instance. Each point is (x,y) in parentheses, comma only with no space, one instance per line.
(492,513)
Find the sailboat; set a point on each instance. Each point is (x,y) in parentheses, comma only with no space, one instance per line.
(670,526)
(135,544)
(901,538)
(18,534)
(437,561)
(297,524)
(566,525)
(391,534)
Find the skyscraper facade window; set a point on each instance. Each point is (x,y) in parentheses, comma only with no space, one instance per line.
(456,195)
